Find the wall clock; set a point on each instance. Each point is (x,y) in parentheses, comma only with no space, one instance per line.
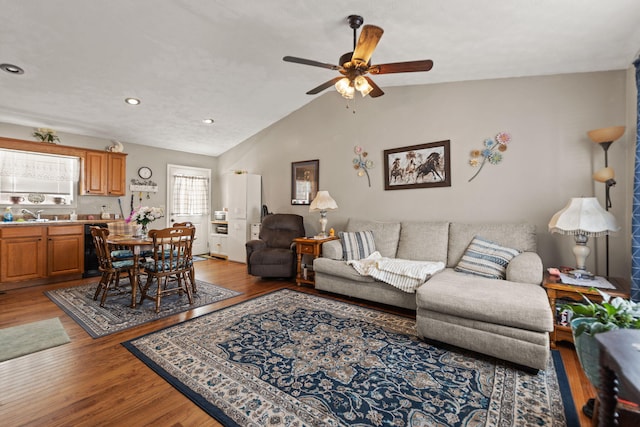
(144,172)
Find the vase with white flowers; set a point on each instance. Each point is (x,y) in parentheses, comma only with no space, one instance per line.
(144,215)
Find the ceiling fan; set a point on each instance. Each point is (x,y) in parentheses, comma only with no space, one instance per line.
(354,66)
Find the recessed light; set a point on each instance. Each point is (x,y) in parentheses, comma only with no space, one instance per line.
(10,68)
(132,101)
(207,121)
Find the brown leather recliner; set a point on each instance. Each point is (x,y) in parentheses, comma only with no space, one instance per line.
(274,254)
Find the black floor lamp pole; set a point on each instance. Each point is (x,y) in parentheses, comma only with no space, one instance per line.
(610,183)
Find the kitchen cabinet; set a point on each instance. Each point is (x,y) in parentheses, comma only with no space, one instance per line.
(218,245)
(242,197)
(104,174)
(22,254)
(65,250)
(116,174)
(38,254)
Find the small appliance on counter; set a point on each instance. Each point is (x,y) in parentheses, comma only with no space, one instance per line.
(221,228)
(219,215)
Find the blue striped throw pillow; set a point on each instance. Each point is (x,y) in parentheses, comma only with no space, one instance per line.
(485,258)
(357,245)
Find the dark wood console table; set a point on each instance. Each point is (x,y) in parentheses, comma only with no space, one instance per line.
(619,368)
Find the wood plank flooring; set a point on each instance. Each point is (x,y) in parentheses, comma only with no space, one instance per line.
(97,382)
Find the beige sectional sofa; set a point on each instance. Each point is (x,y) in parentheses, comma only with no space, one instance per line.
(509,319)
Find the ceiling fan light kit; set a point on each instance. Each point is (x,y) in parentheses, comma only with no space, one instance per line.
(355,65)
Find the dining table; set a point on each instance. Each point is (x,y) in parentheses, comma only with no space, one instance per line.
(136,244)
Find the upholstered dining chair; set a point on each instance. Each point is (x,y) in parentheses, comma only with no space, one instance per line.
(192,272)
(168,267)
(112,262)
(274,255)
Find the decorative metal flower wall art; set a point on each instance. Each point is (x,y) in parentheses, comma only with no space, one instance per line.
(361,163)
(492,152)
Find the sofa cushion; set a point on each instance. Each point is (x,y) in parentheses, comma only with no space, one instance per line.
(357,244)
(339,268)
(424,241)
(517,236)
(486,259)
(385,234)
(518,305)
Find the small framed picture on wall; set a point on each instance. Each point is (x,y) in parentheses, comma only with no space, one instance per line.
(304,181)
(417,166)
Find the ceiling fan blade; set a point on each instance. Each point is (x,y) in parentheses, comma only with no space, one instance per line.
(367,42)
(324,86)
(376,92)
(310,62)
(401,67)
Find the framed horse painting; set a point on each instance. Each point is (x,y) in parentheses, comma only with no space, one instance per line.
(418,166)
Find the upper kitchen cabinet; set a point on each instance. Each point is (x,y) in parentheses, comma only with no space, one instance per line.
(104,174)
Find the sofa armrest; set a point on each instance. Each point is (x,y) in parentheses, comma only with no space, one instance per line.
(332,249)
(525,268)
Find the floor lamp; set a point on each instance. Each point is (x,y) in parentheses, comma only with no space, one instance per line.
(605,137)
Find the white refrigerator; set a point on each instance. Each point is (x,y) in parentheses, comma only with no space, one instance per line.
(242,197)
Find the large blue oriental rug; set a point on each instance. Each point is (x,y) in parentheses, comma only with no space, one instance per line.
(294,359)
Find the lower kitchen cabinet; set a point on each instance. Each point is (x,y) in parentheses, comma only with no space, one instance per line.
(218,245)
(23,253)
(33,255)
(65,250)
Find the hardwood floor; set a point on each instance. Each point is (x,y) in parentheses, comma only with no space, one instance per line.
(97,382)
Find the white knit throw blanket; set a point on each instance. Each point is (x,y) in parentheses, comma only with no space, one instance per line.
(404,274)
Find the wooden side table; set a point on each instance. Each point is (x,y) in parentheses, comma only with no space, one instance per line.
(308,246)
(619,355)
(558,290)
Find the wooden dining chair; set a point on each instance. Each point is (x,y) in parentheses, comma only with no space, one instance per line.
(111,267)
(192,272)
(169,265)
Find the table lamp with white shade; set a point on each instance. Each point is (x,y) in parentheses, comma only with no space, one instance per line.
(583,217)
(323,203)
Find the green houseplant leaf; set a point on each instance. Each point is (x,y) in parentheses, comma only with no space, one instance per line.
(608,315)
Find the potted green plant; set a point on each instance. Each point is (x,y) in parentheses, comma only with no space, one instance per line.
(46,135)
(589,319)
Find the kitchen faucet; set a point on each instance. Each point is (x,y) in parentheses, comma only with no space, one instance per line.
(36,215)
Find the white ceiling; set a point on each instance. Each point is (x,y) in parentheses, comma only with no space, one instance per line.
(188,60)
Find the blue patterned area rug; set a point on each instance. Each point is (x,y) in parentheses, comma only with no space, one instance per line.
(293,359)
(117,315)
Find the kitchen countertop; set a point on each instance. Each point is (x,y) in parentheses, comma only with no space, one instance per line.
(55,222)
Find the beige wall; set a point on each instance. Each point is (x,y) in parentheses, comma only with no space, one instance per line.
(138,155)
(549,160)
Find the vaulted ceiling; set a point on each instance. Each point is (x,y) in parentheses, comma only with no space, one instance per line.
(190,60)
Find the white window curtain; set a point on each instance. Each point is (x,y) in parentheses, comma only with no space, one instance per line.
(190,195)
(19,164)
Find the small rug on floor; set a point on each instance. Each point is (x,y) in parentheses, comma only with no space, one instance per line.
(198,258)
(31,337)
(117,315)
(290,358)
